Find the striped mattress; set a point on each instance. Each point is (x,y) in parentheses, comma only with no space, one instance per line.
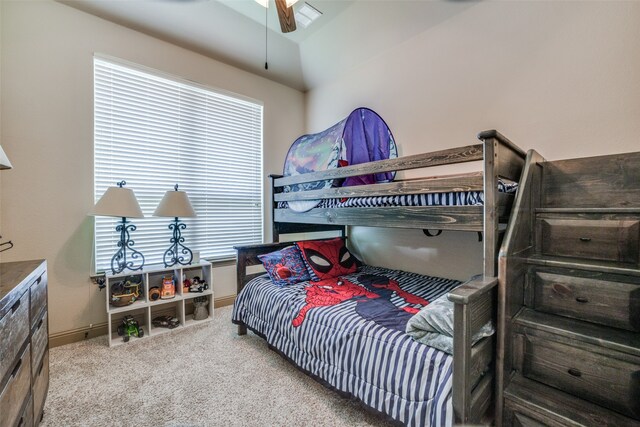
(451,198)
(353,339)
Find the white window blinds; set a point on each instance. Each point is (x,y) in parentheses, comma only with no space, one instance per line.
(153,132)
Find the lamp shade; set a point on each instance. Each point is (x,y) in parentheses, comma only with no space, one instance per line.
(4,160)
(118,201)
(175,204)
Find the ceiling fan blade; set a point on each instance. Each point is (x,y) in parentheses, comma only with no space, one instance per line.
(285,15)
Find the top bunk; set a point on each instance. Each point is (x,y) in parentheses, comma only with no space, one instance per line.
(468,202)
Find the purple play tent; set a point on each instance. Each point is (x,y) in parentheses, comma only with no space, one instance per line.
(359,138)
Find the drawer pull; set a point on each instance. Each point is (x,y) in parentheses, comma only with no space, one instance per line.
(585,239)
(582,300)
(21,423)
(40,323)
(40,368)
(575,372)
(38,280)
(16,369)
(15,306)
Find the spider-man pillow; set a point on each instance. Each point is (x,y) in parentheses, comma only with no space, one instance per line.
(285,267)
(326,259)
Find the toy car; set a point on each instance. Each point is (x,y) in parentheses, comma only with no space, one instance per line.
(130,328)
(198,285)
(165,322)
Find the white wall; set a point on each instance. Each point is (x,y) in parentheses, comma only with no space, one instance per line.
(47,127)
(1,254)
(560,77)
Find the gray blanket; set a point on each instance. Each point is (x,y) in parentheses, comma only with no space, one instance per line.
(433,326)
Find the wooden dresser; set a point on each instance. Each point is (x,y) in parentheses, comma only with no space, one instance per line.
(570,296)
(24,342)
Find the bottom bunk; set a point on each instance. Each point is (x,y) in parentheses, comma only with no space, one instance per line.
(349,333)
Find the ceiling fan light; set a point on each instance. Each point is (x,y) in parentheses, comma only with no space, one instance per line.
(263,3)
(303,21)
(306,14)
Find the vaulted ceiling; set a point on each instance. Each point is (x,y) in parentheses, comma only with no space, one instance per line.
(233,31)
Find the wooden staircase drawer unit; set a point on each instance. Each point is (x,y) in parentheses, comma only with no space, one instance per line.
(39,341)
(40,386)
(14,330)
(598,299)
(38,298)
(615,240)
(16,389)
(587,371)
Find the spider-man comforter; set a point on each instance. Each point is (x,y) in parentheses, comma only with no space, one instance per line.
(349,332)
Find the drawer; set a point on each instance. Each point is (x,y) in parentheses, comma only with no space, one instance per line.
(530,403)
(597,239)
(515,418)
(16,390)
(38,297)
(585,372)
(605,299)
(39,341)
(26,419)
(40,386)
(14,330)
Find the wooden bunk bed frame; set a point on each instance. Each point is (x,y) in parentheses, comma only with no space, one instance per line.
(475,300)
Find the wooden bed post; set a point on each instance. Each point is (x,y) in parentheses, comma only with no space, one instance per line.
(462,357)
(275,233)
(474,295)
(475,300)
(491,219)
(241,272)
(246,257)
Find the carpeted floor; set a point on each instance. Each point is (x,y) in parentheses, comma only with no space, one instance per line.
(202,376)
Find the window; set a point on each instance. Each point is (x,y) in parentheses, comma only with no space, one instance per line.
(154,131)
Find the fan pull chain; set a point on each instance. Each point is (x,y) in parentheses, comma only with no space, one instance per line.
(266,32)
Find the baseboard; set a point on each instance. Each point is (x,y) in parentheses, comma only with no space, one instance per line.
(75,335)
(224,301)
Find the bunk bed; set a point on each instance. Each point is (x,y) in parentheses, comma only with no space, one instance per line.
(474,301)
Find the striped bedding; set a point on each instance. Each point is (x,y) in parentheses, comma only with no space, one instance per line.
(452,198)
(358,346)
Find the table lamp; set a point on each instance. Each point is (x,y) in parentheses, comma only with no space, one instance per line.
(4,160)
(5,164)
(176,204)
(121,202)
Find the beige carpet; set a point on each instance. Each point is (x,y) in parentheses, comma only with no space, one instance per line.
(202,376)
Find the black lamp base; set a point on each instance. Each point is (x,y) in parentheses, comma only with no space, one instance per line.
(177,253)
(126,257)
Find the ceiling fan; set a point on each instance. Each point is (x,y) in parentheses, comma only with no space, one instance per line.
(285,13)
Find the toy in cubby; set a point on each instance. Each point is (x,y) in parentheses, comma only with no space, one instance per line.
(168,288)
(126,291)
(200,311)
(196,284)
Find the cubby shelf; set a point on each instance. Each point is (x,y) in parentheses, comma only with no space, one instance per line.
(144,310)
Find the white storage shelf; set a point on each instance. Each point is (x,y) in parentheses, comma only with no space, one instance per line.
(144,310)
